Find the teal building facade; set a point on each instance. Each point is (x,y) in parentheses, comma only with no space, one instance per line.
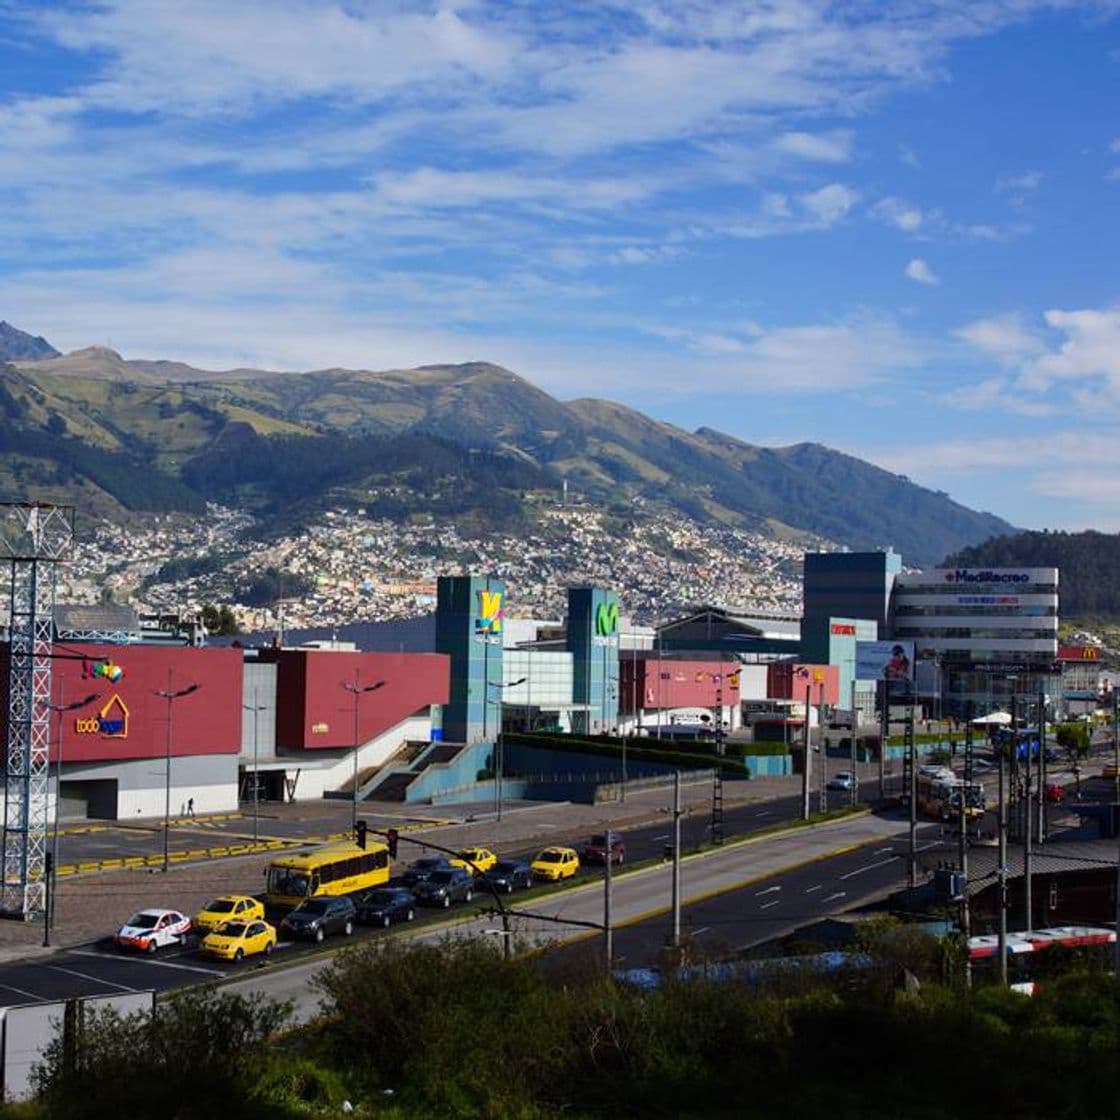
(469,622)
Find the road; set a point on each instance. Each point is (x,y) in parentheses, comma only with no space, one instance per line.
(731,919)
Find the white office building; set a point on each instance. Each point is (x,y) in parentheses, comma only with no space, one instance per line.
(988,633)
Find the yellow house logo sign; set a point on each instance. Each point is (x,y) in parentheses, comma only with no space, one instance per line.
(111,721)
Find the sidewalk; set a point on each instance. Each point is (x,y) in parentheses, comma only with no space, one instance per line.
(94,906)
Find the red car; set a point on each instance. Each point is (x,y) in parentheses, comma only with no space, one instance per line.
(595,850)
(1055,793)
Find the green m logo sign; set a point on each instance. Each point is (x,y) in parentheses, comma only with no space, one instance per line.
(606,619)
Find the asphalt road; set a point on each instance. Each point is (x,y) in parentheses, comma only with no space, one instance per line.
(99,968)
(730,920)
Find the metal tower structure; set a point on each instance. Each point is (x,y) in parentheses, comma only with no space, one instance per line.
(34,537)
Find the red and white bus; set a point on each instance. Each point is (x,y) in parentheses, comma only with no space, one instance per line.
(1023,947)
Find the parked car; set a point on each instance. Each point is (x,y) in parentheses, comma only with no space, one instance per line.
(842,779)
(150,930)
(508,875)
(233,941)
(445,886)
(385,905)
(420,869)
(555,863)
(481,858)
(1110,771)
(315,918)
(228,908)
(595,850)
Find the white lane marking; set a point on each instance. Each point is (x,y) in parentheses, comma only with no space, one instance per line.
(157,963)
(880,851)
(93,979)
(769,890)
(838,894)
(769,904)
(869,867)
(815,887)
(21,992)
(932,844)
(664,836)
(764,813)
(702,929)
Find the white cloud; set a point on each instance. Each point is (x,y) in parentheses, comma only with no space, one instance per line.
(1006,338)
(1090,349)
(1020,183)
(820,147)
(920,271)
(900,214)
(830,204)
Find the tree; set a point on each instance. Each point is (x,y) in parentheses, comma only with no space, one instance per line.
(1075,740)
(219,620)
(197,1056)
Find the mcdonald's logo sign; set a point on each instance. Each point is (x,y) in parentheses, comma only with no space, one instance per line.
(490,613)
(606,619)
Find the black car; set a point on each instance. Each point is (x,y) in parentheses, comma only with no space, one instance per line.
(313,919)
(445,886)
(419,870)
(386,905)
(507,875)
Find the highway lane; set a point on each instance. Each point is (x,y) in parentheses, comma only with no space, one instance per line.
(726,922)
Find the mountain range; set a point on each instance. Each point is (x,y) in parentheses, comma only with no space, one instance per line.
(471,441)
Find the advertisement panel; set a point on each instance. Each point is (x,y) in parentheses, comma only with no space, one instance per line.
(889,661)
(111,701)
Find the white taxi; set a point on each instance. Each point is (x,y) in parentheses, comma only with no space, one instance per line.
(150,930)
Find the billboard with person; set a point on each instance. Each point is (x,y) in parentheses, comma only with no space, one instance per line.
(892,662)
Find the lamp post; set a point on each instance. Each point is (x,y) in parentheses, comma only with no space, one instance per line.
(358,689)
(170,695)
(51,895)
(256,709)
(499,743)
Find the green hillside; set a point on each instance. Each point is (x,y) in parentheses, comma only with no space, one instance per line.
(463,441)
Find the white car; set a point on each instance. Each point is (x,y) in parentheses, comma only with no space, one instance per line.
(842,780)
(150,930)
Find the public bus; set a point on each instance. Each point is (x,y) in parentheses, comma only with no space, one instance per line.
(941,795)
(342,868)
(1026,952)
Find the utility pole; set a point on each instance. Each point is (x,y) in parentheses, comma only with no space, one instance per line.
(884,731)
(1002,855)
(1115,748)
(966,919)
(608,932)
(912,797)
(852,744)
(1028,823)
(807,768)
(1041,831)
(822,772)
(675,938)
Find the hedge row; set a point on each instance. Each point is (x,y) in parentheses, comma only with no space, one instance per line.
(607,747)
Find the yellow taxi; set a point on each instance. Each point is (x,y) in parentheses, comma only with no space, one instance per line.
(555,863)
(233,941)
(228,908)
(482,858)
(1110,770)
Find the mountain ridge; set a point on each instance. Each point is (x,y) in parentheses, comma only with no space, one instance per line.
(167,419)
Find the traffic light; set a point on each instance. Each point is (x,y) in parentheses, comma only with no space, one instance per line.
(360,833)
(391,840)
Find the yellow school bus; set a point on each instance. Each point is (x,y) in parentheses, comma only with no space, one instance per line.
(334,869)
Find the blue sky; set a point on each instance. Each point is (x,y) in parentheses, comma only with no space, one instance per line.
(890,228)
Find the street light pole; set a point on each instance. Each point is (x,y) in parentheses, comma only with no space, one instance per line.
(52,871)
(170,695)
(256,709)
(358,691)
(499,743)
